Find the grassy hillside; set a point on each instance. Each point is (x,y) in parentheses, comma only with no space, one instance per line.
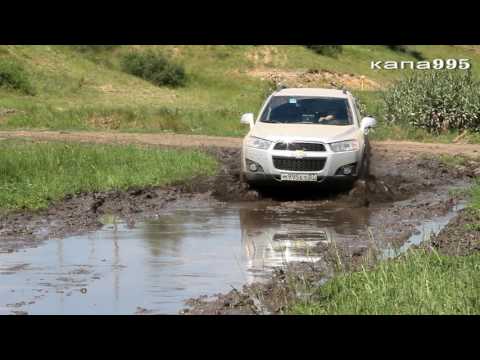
(77,88)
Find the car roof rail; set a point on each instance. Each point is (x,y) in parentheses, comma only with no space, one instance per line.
(281,87)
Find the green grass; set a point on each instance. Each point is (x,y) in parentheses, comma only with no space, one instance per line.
(83,88)
(34,174)
(419,282)
(475,194)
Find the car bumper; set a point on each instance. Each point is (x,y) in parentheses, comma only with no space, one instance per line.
(270,171)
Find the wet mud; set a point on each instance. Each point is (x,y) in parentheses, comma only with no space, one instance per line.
(461,236)
(403,190)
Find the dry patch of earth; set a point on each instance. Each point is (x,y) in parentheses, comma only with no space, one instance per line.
(314,78)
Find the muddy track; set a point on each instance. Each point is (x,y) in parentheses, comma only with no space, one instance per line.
(395,175)
(404,188)
(403,192)
(168,139)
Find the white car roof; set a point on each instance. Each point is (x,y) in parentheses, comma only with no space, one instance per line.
(312,92)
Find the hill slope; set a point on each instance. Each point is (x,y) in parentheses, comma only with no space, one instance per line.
(78,88)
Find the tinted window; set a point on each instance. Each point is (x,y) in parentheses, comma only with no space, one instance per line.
(307,110)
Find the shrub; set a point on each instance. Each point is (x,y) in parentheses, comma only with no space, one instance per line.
(405,49)
(93,48)
(327,50)
(436,101)
(155,68)
(14,77)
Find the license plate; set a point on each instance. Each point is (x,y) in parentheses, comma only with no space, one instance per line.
(298,177)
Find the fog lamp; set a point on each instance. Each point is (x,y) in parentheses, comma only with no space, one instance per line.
(347,170)
(253,166)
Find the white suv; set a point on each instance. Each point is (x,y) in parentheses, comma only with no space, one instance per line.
(306,135)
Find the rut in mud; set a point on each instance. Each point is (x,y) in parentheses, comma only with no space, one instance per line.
(393,177)
(404,200)
(404,190)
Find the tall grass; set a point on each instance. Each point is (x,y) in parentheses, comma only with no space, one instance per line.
(419,282)
(34,174)
(436,101)
(372,103)
(475,193)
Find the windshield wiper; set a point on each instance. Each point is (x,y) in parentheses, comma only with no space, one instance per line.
(270,121)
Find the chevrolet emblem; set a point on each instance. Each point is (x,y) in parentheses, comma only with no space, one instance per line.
(299,154)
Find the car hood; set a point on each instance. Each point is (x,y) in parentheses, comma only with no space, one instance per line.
(306,132)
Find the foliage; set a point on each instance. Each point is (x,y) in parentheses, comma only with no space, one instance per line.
(326,50)
(14,77)
(155,68)
(436,101)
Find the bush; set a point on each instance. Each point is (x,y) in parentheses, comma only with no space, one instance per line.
(93,48)
(436,101)
(404,49)
(14,77)
(326,50)
(155,68)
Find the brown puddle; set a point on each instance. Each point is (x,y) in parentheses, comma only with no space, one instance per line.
(160,263)
(156,265)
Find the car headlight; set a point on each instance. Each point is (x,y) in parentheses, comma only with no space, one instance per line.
(258,143)
(342,146)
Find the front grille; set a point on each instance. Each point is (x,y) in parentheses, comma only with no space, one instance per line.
(292,164)
(299,146)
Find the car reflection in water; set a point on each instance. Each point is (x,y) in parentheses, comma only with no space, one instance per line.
(274,240)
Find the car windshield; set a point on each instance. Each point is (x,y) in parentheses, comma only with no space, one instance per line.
(307,110)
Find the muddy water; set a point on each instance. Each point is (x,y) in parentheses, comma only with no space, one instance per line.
(423,232)
(158,264)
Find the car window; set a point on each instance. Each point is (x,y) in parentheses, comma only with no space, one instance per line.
(307,110)
(357,110)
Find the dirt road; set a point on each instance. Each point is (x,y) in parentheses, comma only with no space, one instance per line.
(404,191)
(168,139)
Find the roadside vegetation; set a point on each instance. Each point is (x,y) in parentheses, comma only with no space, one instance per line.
(436,101)
(421,281)
(90,87)
(435,106)
(34,174)
(474,208)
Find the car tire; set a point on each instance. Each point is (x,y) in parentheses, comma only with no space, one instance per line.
(364,170)
(243,179)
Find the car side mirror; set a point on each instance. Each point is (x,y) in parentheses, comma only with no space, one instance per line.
(368,123)
(248,119)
